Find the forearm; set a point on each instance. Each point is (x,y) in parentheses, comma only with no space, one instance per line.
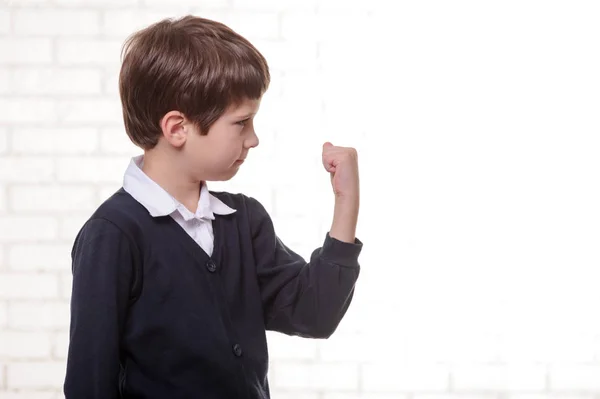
(345,218)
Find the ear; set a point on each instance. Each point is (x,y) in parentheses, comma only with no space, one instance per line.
(174,129)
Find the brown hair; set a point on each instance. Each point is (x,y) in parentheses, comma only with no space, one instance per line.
(193,65)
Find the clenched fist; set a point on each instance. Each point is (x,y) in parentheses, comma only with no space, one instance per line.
(342,164)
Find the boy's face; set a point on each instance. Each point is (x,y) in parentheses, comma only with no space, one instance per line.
(218,155)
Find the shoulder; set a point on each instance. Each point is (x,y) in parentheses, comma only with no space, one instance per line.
(120,208)
(120,213)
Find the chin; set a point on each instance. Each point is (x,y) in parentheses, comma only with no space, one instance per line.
(226,175)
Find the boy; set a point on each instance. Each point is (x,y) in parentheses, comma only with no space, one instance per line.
(174,286)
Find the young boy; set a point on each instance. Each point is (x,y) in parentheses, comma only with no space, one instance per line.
(174,286)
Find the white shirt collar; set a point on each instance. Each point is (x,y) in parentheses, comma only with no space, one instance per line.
(158,202)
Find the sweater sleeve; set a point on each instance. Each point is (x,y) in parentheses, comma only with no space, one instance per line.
(102,271)
(307,299)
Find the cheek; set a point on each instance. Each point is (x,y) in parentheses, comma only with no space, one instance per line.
(225,153)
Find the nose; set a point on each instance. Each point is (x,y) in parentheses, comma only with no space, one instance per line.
(252,140)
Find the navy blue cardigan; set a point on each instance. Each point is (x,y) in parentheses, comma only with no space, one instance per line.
(153,316)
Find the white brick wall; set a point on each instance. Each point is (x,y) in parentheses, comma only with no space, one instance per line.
(480,274)
(81,140)
(56,82)
(48,22)
(17,50)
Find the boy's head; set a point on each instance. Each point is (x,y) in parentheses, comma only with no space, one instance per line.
(183,79)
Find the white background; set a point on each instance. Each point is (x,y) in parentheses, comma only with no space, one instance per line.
(478,130)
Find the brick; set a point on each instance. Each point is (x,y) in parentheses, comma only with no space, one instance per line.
(300,25)
(27,228)
(57,81)
(502,378)
(70,226)
(38,315)
(122,23)
(3,140)
(24,344)
(4,21)
(111,82)
(40,257)
(318,204)
(205,3)
(116,141)
(31,2)
(30,394)
(104,53)
(28,286)
(556,348)
(40,375)
(216,14)
(289,56)
(339,58)
(4,81)
(18,110)
(3,204)
(92,170)
(344,347)
(294,231)
(3,314)
(56,141)
(26,169)
(286,111)
(274,4)
(102,3)
(60,345)
(393,377)
(309,86)
(90,111)
(42,199)
(572,378)
(254,25)
(550,396)
(56,22)
(285,394)
(331,26)
(331,376)
(66,285)
(457,396)
(26,51)
(469,347)
(359,6)
(285,347)
(369,395)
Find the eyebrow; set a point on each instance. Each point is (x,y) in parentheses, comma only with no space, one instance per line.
(246,116)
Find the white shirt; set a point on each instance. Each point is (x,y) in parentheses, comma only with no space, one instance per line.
(158,202)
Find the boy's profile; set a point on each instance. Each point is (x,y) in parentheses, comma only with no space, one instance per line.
(174,286)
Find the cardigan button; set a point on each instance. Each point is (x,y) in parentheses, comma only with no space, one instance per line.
(211,266)
(237,350)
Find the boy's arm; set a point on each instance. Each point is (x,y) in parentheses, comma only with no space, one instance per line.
(310,299)
(300,298)
(102,266)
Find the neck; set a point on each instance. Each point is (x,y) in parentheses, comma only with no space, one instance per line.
(167,174)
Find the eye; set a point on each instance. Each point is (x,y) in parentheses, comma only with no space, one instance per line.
(243,122)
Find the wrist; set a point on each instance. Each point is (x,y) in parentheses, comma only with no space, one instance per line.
(345,218)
